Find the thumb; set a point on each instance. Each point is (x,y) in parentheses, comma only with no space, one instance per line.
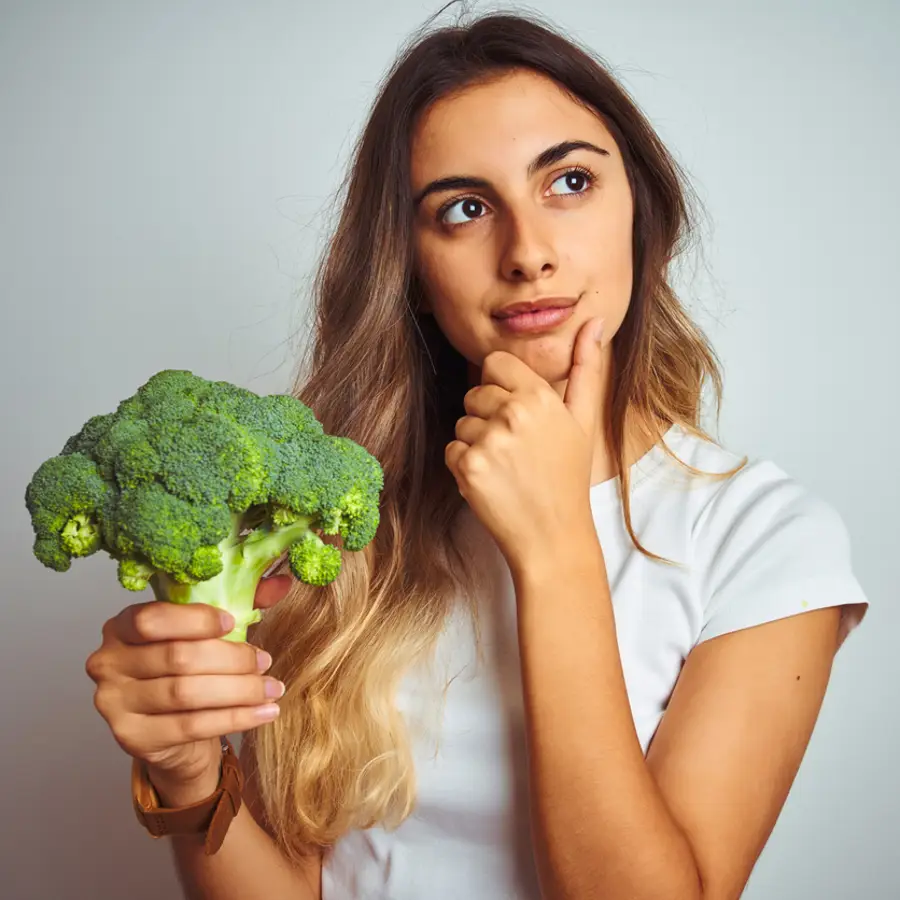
(584,387)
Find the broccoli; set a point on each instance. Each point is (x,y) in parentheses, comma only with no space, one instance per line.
(197,487)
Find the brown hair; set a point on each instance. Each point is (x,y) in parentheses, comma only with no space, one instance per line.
(381,373)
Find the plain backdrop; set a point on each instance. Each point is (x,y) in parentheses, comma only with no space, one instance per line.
(165,173)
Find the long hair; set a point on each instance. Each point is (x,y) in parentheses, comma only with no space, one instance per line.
(339,756)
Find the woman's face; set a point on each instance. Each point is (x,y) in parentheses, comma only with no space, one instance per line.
(528,230)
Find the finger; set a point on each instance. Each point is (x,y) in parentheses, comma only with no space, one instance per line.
(452,454)
(470,429)
(152,734)
(196,692)
(209,657)
(484,400)
(271,590)
(159,620)
(584,388)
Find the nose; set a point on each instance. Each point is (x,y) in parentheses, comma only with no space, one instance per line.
(528,254)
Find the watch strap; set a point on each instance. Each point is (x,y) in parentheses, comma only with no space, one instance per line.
(211,815)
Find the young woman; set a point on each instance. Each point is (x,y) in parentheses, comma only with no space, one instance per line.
(572,663)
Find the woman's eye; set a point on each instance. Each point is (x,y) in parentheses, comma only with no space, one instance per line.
(577,176)
(578,181)
(465,206)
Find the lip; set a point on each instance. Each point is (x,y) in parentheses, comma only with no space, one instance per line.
(537,321)
(515,309)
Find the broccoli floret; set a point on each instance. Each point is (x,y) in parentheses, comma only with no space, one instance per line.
(197,487)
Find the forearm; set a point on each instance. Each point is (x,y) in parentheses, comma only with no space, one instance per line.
(600,825)
(248,865)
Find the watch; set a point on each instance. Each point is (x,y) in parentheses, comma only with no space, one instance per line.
(212,815)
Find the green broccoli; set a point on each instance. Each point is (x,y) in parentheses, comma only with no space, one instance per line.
(196,487)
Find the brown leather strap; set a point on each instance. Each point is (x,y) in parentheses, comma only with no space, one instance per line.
(212,815)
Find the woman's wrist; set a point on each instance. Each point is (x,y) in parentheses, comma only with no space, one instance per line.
(176,791)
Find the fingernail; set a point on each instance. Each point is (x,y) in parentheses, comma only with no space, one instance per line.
(268,712)
(274,688)
(263,660)
(598,331)
(227,621)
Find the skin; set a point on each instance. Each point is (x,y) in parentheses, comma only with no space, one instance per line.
(528,236)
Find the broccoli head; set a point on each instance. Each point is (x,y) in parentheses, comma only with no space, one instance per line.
(197,487)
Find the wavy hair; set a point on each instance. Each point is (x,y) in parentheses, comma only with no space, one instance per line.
(339,756)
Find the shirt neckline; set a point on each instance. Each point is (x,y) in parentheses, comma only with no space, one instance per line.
(605,493)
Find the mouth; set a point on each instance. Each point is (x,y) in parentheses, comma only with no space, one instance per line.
(512,310)
(537,321)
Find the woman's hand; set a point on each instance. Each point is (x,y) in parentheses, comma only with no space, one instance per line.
(169,687)
(523,457)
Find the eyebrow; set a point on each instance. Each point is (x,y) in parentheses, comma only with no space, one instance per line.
(543,160)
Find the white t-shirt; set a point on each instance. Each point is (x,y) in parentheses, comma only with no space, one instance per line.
(754,548)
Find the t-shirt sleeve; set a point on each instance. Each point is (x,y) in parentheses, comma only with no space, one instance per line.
(769,549)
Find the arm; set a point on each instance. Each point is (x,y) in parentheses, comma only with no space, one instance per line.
(689,821)
(248,865)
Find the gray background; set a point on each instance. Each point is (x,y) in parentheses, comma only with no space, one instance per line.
(164,168)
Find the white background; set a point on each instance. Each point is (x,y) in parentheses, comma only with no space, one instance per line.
(164,172)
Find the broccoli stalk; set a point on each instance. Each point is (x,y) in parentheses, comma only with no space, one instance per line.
(198,487)
(244,559)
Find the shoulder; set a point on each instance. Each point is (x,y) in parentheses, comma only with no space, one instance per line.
(762,500)
(735,491)
(763,545)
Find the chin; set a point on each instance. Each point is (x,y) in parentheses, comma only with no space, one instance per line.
(552,374)
(552,360)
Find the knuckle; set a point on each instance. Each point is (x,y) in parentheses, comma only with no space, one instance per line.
(515,412)
(96,666)
(498,441)
(190,728)
(103,702)
(146,620)
(472,463)
(181,692)
(547,398)
(179,657)
(127,734)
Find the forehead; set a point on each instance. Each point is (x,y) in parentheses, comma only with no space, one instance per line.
(506,121)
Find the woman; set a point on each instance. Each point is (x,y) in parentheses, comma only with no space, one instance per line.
(475,708)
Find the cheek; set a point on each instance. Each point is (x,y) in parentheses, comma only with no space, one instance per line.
(612,239)
(450,278)
(435,269)
(607,260)
(447,284)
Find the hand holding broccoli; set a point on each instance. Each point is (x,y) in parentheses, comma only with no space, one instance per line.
(168,688)
(196,488)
